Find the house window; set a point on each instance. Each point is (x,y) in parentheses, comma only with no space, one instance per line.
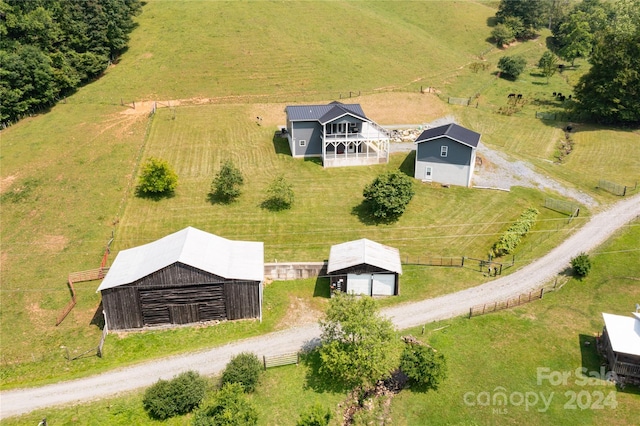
(302,142)
(427,173)
(337,128)
(444,150)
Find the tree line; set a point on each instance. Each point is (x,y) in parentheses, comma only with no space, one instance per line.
(605,33)
(48,48)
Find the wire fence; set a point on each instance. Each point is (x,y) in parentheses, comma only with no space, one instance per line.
(612,187)
(280,360)
(459,101)
(434,261)
(562,206)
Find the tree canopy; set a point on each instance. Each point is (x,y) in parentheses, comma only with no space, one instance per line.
(226,185)
(532,13)
(389,194)
(49,47)
(512,66)
(157,178)
(358,346)
(610,91)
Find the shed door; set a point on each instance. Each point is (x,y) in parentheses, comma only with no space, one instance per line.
(184,314)
(384,284)
(359,284)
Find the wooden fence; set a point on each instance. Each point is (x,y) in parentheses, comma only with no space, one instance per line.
(512,302)
(96,349)
(279,360)
(505,304)
(76,277)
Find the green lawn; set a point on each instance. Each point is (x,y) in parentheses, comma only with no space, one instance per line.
(484,354)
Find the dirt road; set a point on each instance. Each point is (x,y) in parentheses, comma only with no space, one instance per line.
(599,228)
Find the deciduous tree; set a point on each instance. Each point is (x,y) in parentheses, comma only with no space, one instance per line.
(358,346)
(512,66)
(279,195)
(424,367)
(226,185)
(389,194)
(548,64)
(230,407)
(157,178)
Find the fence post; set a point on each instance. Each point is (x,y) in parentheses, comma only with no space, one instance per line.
(264,362)
(462,262)
(541,293)
(470,312)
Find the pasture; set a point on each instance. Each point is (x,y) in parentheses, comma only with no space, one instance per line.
(68,175)
(498,351)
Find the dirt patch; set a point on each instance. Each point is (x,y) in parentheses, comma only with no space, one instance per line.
(299,313)
(402,108)
(54,243)
(5,183)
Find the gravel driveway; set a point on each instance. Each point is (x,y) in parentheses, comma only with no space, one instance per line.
(599,228)
(498,171)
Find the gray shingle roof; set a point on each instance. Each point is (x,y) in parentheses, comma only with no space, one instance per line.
(364,251)
(452,131)
(242,260)
(323,113)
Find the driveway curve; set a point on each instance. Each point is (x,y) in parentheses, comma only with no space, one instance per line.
(595,232)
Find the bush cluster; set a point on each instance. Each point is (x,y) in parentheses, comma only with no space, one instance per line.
(581,264)
(389,194)
(423,365)
(244,369)
(169,398)
(512,236)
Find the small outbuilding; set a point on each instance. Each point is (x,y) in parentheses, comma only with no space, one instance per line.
(365,267)
(620,344)
(446,154)
(186,277)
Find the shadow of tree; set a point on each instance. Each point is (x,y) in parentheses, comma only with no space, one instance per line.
(314,379)
(157,196)
(365,214)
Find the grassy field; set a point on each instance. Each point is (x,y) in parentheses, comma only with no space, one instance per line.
(483,354)
(67,175)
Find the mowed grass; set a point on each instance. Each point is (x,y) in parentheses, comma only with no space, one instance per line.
(249,49)
(484,354)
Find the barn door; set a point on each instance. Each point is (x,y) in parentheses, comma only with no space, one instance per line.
(384,284)
(184,314)
(359,284)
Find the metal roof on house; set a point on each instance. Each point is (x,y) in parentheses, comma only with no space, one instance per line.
(364,251)
(624,333)
(242,260)
(323,113)
(452,131)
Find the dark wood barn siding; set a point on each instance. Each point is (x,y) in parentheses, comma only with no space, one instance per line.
(159,304)
(122,306)
(243,299)
(177,275)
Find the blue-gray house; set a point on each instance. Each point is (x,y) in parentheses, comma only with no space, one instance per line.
(340,134)
(446,154)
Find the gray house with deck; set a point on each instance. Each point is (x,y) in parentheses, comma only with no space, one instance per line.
(340,134)
(446,154)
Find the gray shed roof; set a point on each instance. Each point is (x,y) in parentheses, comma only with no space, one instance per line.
(242,260)
(364,251)
(452,131)
(323,113)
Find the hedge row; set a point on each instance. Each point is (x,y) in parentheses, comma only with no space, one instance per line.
(508,242)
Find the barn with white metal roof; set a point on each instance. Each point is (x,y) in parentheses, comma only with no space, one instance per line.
(188,276)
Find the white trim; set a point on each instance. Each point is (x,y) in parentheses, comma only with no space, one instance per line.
(302,142)
(444,150)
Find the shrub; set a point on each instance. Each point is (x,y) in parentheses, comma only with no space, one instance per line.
(226,185)
(244,369)
(513,235)
(512,66)
(581,265)
(389,194)
(315,415)
(230,408)
(279,195)
(157,178)
(502,35)
(424,367)
(169,398)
